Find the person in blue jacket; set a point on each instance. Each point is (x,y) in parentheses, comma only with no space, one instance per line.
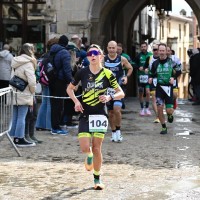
(58,86)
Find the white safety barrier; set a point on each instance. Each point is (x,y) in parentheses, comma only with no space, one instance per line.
(6,112)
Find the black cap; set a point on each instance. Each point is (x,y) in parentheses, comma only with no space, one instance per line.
(63,40)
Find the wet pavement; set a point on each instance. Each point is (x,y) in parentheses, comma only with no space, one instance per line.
(145,166)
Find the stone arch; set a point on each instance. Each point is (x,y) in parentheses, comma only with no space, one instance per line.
(115,20)
(105,13)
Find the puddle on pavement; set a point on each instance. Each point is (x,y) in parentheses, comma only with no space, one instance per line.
(183,148)
(182,185)
(185,132)
(183,119)
(184,114)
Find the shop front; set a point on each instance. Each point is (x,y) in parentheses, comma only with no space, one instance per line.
(22,21)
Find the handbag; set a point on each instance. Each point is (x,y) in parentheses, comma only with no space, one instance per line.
(18,83)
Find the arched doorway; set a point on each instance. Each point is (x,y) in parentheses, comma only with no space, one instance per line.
(114,20)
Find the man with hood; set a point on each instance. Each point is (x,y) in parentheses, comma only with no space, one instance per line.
(58,87)
(5,66)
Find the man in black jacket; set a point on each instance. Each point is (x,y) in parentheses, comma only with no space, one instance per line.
(195,74)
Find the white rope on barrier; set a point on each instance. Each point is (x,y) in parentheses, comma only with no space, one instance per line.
(37,95)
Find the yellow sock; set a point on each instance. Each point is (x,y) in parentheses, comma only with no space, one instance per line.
(96,173)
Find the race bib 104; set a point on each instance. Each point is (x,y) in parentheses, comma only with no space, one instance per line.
(98,123)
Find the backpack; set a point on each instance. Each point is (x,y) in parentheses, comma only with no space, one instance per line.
(48,72)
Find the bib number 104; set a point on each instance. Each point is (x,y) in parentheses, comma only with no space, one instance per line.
(98,123)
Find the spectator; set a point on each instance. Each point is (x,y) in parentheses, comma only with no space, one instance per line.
(24,67)
(68,103)
(43,121)
(195,74)
(81,55)
(30,123)
(57,88)
(5,66)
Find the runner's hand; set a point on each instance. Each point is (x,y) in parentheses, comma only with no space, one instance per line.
(124,80)
(78,107)
(104,98)
(171,80)
(141,68)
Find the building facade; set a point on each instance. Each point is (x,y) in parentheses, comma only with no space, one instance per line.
(95,21)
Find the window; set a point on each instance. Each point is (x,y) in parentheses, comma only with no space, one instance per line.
(184,29)
(179,31)
(197,29)
(163,31)
(169,27)
(180,53)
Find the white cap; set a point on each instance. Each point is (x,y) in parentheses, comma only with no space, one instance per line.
(75,37)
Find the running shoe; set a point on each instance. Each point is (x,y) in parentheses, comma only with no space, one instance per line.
(156,120)
(114,137)
(59,132)
(142,112)
(170,118)
(119,137)
(98,185)
(163,131)
(148,112)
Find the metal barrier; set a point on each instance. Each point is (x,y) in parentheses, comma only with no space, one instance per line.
(6,112)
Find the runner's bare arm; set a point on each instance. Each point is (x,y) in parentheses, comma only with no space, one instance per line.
(70,91)
(119,94)
(127,66)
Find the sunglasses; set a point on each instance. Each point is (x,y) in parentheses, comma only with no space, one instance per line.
(93,52)
(155,49)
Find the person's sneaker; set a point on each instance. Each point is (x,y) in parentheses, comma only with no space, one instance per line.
(89,161)
(170,118)
(71,125)
(114,137)
(59,132)
(22,142)
(27,137)
(156,120)
(142,112)
(40,129)
(63,125)
(98,185)
(119,137)
(163,131)
(148,112)
(35,139)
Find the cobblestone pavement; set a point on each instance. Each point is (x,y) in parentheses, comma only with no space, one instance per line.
(145,166)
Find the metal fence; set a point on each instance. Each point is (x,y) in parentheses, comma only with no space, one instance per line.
(6,112)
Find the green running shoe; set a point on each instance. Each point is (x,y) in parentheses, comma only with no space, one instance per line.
(164,131)
(170,118)
(98,185)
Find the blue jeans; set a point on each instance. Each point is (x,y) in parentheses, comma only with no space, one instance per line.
(44,114)
(18,121)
